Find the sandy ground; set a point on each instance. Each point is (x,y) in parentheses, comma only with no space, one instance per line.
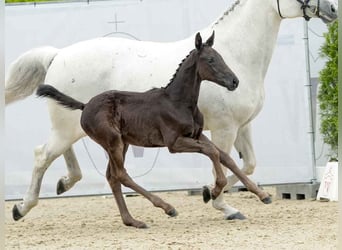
(95,223)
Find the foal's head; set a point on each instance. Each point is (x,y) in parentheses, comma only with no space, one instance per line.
(211,65)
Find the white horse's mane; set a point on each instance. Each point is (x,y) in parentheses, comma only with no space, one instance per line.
(226,13)
(231,9)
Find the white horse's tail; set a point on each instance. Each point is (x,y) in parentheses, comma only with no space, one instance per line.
(27,72)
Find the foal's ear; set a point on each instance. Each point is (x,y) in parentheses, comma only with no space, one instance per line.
(198,41)
(210,41)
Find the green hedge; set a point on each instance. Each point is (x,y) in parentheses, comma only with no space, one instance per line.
(328,92)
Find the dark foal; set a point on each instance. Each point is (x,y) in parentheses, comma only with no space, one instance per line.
(163,117)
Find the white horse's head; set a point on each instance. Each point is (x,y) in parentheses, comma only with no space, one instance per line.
(326,10)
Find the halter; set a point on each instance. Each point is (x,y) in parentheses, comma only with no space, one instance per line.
(305,5)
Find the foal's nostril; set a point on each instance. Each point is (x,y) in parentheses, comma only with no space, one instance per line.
(235,82)
(333,9)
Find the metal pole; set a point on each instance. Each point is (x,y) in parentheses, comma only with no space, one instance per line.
(308,89)
(2,122)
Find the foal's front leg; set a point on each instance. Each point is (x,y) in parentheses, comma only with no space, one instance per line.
(228,162)
(204,146)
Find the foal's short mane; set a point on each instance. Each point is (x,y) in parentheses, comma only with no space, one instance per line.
(226,13)
(179,66)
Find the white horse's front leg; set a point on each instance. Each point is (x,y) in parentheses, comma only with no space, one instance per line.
(243,144)
(74,172)
(224,139)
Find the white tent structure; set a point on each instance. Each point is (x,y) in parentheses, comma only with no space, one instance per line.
(283,132)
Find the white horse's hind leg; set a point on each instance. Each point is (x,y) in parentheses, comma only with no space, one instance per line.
(44,156)
(74,172)
(224,140)
(243,144)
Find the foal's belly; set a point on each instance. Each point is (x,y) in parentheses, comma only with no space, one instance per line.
(137,138)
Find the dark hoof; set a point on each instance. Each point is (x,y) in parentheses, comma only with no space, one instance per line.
(206,194)
(172,213)
(15,213)
(267,200)
(142,226)
(236,216)
(60,187)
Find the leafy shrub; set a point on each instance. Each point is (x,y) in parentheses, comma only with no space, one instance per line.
(328,91)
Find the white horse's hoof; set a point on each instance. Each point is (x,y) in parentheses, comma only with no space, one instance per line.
(16,214)
(236,216)
(60,187)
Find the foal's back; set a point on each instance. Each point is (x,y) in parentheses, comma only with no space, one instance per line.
(139,118)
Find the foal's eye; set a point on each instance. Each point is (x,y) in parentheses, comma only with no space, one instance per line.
(211,60)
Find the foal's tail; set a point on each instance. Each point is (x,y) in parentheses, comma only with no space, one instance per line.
(27,72)
(66,101)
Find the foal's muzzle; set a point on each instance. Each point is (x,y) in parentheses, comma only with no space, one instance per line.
(234,84)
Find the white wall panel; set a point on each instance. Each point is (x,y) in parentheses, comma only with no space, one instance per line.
(281,141)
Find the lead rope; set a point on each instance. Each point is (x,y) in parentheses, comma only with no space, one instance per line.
(100,173)
(281,16)
(305,4)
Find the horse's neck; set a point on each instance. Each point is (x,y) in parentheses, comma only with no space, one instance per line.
(247,34)
(185,85)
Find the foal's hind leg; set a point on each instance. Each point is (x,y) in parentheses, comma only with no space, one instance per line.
(154,199)
(44,156)
(126,180)
(118,174)
(115,185)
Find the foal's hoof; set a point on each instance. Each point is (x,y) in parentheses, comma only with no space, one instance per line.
(172,213)
(236,216)
(137,224)
(206,194)
(60,187)
(267,200)
(142,226)
(16,214)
